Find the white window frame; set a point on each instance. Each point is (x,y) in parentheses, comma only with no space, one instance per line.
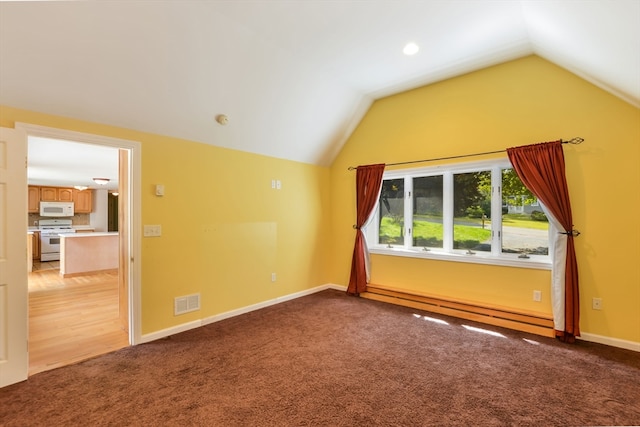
(447,253)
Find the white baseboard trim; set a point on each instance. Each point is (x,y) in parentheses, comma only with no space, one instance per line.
(237,312)
(163,333)
(258,306)
(613,342)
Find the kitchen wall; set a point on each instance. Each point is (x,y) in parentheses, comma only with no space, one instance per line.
(99,216)
(77,219)
(521,102)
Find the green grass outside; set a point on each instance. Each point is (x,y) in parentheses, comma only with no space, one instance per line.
(523,221)
(511,220)
(430,234)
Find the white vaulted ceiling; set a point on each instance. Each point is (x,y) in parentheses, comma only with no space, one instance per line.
(294,77)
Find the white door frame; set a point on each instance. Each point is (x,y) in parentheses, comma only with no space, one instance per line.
(134,148)
(14,310)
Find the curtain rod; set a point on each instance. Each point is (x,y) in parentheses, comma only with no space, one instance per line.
(575,141)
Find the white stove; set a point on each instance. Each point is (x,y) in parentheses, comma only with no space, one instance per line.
(50,231)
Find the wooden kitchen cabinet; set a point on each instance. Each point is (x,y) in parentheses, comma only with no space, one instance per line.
(36,246)
(83,201)
(65,194)
(49,194)
(34,199)
(56,194)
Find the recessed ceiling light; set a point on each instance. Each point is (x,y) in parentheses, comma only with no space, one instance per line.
(411,49)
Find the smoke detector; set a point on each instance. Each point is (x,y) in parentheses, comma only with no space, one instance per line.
(222,119)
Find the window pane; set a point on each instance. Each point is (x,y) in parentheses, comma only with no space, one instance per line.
(392,212)
(472,211)
(525,228)
(427,212)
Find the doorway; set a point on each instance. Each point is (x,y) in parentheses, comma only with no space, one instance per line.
(89,314)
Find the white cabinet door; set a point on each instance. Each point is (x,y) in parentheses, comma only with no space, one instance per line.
(14,316)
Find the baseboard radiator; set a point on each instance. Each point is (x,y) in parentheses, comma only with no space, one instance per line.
(532,322)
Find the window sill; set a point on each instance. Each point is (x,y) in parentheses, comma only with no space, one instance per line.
(535,262)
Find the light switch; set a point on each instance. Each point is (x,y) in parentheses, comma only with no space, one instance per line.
(159,190)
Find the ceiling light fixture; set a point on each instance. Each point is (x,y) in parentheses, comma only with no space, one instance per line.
(101,181)
(80,187)
(410,49)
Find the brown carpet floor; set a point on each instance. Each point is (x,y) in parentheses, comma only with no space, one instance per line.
(329,359)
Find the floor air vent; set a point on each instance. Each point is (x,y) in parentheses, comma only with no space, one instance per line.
(186,304)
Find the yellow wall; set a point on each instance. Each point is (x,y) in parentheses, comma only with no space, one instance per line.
(521,102)
(224,229)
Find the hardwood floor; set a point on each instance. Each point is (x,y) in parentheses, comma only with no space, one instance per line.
(71,319)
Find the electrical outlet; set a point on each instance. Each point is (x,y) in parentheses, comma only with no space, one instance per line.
(273,277)
(597,304)
(537,296)
(152,231)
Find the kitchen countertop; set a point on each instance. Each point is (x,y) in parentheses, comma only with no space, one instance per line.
(75,227)
(82,235)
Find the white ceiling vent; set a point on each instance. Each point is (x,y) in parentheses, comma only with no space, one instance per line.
(186,304)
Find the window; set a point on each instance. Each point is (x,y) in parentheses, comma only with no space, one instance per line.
(473,212)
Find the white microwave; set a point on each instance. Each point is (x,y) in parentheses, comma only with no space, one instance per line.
(56,209)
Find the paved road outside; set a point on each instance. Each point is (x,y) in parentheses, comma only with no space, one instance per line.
(524,238)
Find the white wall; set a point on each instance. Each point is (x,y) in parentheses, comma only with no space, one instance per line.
(99,215)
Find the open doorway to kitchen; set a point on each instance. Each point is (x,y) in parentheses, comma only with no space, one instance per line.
(80,301)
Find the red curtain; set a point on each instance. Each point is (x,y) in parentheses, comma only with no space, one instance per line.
(541,169)
(368,182)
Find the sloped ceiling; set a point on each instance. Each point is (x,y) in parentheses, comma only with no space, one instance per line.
(294,77)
